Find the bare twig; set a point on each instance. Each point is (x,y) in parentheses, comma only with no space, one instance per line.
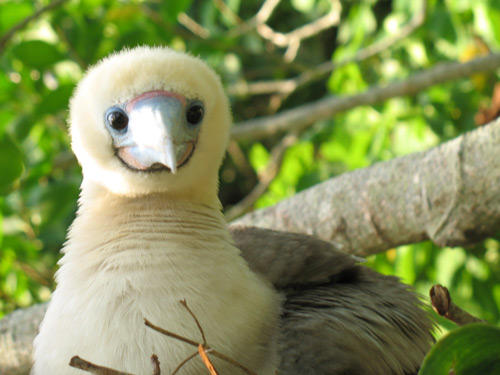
(265,11)
(444,306)
(227,12)
(327,107)
(87,366)
(195,344)
(265,178)
(21,25)
(292,39)
(287,86)
(170,334)
(239,159)
(306,31)
(156,364)
(193,26)
(184,303)
(184,362)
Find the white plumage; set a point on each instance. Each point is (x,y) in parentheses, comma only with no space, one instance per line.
(149,232)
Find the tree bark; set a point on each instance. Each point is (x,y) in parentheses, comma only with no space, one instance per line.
(17,331)
(448,194)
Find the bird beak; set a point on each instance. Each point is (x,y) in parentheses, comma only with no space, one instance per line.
(158,136)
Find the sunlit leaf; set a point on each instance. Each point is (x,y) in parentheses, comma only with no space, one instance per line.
(13,12)
(258,157)
(472,349)
(56,100)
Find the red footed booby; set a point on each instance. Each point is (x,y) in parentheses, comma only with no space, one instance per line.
(149,127)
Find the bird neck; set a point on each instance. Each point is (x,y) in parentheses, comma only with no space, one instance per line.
(106,213)
(94,196)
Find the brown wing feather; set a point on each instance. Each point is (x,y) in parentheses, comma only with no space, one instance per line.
(338,317)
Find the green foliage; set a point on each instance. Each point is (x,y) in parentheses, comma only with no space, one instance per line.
(472,349)
(41,64)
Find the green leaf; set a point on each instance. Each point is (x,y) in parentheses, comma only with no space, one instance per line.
(440,25)
(258,157)
(304,6)
(37,54)
(11,163)
(472,349)
(55,100)
(12,13)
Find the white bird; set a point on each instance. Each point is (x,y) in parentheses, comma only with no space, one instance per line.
(149,127)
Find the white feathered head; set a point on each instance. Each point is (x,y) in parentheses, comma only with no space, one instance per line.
(149,120)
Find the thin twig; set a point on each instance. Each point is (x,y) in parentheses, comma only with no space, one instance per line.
(193,26)
(184,303)
(87,366)
(444,306)
(21,25)
(170,334)
(184,362)
(308,114)
(303,32)
(240,161)
(265,11)
(265,178)
(227,12)
(195,344)
(156,364)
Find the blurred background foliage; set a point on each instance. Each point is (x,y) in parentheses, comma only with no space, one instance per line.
(42,62)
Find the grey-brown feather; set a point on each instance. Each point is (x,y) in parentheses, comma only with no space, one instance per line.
(338,317)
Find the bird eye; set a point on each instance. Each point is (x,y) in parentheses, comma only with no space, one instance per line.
(117,119)
(194,114)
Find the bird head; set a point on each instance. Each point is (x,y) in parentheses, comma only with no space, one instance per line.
(150,120)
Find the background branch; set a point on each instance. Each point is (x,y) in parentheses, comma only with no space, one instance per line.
(308,114)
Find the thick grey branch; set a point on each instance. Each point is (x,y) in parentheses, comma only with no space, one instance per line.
(307,114)
(448,194)
(17,332)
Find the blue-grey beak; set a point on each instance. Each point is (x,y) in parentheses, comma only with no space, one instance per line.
(159,132)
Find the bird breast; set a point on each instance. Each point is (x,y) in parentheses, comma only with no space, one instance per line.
(136,259)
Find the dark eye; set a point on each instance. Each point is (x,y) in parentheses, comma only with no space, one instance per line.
(194,114)
(117,119)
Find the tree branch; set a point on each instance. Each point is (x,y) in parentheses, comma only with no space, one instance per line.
(292,39)
(87,366)
(308,114)
(265,178)
(444,306)
(448,194)
(265,11)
